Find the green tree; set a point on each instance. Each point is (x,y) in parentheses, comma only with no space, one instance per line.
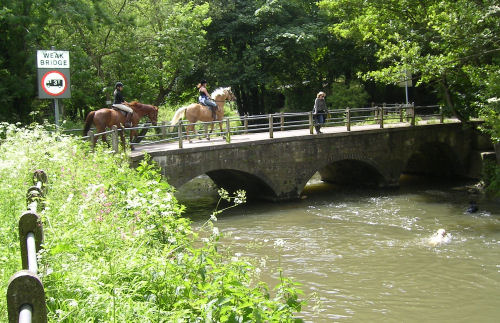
(275,54)
(21,33)
(146,44)
(438,41)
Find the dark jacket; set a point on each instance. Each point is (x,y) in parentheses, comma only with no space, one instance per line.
(118,97)
(320,106)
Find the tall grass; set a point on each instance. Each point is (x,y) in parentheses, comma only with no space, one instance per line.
(117,248)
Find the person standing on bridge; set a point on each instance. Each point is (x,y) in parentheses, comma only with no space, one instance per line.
(319,111)
(120,103)
(205,98)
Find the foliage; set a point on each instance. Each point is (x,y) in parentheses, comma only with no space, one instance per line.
(146,44)
(440,42)
(352,95)
(276,54)
(491,177)
(116,247)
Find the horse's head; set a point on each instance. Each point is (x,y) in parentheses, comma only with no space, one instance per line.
(145,109)
(223,94)
(153,115)
(230,94)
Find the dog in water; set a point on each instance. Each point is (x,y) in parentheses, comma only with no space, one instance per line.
(440,237)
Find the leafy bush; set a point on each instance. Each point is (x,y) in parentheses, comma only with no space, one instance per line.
(352,95)
(116,247)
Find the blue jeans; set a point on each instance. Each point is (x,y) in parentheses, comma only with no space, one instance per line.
(208,102)
(320,118)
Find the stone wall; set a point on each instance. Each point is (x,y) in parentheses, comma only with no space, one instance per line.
(278,169)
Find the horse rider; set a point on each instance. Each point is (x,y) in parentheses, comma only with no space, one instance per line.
(120,103)
(205,98)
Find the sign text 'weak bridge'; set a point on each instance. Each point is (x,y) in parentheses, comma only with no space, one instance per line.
(279,168)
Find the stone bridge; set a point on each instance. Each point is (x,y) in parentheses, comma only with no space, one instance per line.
(279,168)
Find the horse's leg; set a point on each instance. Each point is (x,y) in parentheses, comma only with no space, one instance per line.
(221,131)
(105,140)
(122,137)
(211,130)
(187,131)
(133,136)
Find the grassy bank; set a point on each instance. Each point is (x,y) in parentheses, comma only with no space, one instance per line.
(117,248)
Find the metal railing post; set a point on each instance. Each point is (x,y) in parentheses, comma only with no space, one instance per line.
(282,121)
(271,119)
(413,113)
(441,115)
(179,132)
(348,116)
(245,123)
(311,125)
(381,112)
(26,298)
(400,113)
(228,130)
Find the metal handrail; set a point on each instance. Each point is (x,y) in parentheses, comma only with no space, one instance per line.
(25,293)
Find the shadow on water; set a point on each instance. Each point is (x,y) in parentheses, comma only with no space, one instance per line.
(200,194)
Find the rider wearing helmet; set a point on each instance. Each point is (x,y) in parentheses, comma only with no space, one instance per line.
(205,98)
(120,103)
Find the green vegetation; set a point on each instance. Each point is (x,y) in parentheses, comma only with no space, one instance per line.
(116,246)
(276,55)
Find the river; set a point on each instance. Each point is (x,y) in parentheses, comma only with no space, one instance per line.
(363,255)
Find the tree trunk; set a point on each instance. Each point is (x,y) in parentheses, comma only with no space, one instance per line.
(449,99)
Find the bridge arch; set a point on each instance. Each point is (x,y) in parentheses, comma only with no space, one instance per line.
(348,171)
(434,159)
(232,179)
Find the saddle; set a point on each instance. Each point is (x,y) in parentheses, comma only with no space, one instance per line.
(119,110)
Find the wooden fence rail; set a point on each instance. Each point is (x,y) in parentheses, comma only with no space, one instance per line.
(270,123)
(25,293)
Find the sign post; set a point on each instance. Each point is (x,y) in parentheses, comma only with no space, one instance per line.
(406,82)
(53,77)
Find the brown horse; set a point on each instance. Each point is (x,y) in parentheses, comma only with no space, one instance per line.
(196,112)
(106,118)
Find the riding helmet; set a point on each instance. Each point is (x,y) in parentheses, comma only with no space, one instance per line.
(118,84)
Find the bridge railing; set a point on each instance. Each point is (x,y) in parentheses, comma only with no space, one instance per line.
(271,123)
(25,292)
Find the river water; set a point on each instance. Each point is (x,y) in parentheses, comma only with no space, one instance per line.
(363,255)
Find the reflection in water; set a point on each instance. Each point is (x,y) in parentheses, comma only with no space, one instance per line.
(363,255)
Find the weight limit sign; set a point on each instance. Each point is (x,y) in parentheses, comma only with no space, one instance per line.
(53,84)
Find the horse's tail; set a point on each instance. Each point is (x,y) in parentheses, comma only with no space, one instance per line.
(179,114)
(88,122)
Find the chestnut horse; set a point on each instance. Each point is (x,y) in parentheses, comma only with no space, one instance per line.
(196,112)
(106,118)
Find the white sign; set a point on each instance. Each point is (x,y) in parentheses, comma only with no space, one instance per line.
(54,83)
(52,58)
